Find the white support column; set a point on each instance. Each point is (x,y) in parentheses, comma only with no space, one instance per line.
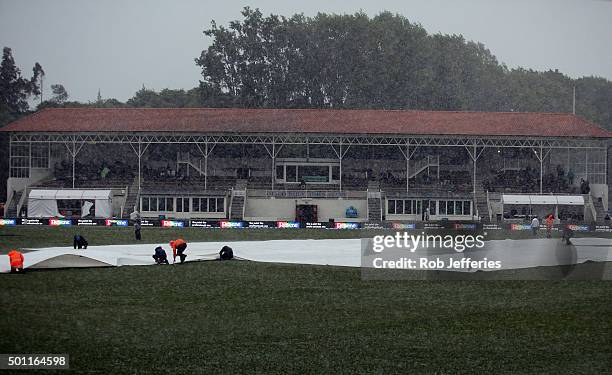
(205,166)
(73,152)
(340,154)
(139,151)
(139,163)
(474,180)
(475,155)
(541,168)
(340,169)
(273,163)
(273,152)
(408,156)
(206,153)
(540,155)
(586,164)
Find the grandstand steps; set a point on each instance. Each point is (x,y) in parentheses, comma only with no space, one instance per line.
(237,207)
(12,209)
(599,211)
(132,198)
(480,201)
(374,206)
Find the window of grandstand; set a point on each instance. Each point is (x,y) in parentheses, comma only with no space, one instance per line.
(316,173)
(207,204)
(586,164)
(40,155)
(157,204)
(453,207)
(20,161)
(182,204)
(404,207)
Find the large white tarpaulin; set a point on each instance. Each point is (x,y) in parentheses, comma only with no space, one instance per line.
(512,254)
(43,202)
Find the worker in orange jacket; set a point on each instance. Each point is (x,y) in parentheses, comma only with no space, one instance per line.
(178,248)
(16,259)
(549,225)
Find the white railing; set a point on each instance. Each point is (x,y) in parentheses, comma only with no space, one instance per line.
(24,196)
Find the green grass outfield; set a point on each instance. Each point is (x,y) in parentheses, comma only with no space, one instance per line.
(245,317)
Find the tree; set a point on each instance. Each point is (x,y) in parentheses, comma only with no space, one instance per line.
(60,95)
(14,89)
(387,62)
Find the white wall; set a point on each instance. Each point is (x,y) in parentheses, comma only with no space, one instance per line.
(284,209)
(19,184)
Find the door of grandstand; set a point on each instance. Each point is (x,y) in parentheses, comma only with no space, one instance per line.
(306,213)
(426,210)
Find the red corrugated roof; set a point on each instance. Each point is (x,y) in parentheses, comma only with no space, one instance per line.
(233,120)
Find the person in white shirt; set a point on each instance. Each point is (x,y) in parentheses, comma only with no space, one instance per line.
(535,225)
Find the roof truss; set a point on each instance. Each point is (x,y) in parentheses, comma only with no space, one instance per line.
(312,139)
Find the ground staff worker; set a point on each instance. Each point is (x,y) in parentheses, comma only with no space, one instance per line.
(178,247)
(16,259)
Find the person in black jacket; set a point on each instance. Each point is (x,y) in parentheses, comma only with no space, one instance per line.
(80,242)
(226,253)
(137,229)
(160,256)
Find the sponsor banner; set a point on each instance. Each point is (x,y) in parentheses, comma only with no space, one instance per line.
(403,225)
(33,222)
(372,226)
(8,222)
(287,224)
(203,224)
(172,223)
(88,222)
(316,225)
(491,227)
(149,223)
(430,226)
(603,228)
(231,224)
(260,224)
(464,226)
(520,226)
(579,227)
(60,222)
(347,225)
(116,223)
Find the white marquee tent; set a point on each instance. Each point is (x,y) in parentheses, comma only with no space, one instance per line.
(43,203)
(553,200)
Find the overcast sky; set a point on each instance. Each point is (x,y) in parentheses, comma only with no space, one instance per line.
(119,45)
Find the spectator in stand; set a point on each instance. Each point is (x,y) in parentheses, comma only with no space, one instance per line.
(570,177)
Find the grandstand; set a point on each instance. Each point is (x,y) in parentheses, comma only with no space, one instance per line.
(313,164)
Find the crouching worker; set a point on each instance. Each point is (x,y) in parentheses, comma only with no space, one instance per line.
(226,253)
(16,259)
(178,249)
(80,242)
(568,233)
(160,256)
